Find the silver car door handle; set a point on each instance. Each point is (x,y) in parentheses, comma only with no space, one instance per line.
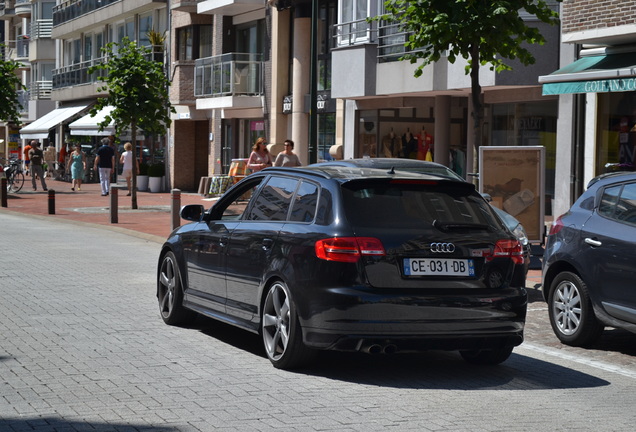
(223,241)
(267,243)
(592,242)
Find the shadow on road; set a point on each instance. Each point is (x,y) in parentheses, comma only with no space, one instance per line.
(429,370)
(50,424)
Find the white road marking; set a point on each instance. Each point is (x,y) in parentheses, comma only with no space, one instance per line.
(578,359)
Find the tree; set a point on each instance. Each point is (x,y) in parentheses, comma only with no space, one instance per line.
(9,84)
(483,32)
(138,92)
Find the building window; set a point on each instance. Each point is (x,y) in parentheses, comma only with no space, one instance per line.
(145,25)
(194,42)
(353,28)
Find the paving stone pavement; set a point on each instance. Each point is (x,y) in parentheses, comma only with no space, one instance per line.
(82,348)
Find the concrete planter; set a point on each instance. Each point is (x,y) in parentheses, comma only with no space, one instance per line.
(155,184)
(142,183)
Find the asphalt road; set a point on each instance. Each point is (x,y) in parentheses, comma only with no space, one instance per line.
(82,348)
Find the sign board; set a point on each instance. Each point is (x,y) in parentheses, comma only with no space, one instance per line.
(514,177)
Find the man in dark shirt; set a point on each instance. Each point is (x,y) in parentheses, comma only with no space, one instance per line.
(36,156)
(105,161)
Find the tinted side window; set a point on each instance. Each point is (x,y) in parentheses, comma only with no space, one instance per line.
(304,206)
(626,206)
(274,199)
(232,207)
(609,200)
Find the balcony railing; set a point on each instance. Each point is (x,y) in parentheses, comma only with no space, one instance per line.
(389,38)
(40,90)
(71,9)
(41,28)
(22,46)
(23,7)
(77,74)
(23,101)
(232,74)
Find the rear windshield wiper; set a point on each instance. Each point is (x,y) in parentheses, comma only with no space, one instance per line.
(448,226)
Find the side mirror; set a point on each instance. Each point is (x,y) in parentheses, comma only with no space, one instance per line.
(192,212)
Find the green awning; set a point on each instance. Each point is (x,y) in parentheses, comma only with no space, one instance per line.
(593,74)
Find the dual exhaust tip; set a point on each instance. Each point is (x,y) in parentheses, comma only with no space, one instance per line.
(379,349)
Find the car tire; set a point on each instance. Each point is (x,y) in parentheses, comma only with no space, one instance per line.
(280,330)
(487,357)
(571,312)
(170,292)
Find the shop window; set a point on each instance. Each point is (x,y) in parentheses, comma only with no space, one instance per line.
(616,137)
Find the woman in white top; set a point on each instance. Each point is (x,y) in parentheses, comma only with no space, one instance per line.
(287,158)
(260,157)
(127,160)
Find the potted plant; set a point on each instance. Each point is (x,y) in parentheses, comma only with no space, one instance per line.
(157,41)
(142,177)
(156,173)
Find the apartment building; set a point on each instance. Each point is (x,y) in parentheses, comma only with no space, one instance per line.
(240,69)
(596,86)
(27,39)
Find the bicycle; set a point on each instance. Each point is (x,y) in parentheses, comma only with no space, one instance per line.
(15,177)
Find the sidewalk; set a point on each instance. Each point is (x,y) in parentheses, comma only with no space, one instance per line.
(150,221)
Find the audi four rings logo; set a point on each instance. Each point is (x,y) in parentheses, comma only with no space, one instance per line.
(442,247)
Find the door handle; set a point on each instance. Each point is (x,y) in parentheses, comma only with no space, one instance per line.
(593,242)
(267,243)
(223,241)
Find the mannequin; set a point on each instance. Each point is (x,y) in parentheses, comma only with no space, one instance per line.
(425,145)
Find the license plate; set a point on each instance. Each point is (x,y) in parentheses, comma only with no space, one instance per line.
(438,267)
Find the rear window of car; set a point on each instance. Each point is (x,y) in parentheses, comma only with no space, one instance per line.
(413,204)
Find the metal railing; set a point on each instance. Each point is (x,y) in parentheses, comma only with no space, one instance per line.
(71,9)
(232,74)
(40,90)
(77,74)
(41,28)
(389,38)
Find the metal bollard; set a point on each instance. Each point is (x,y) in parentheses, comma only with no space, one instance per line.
(113,205)
(175,203)
(3,191)
(51,202)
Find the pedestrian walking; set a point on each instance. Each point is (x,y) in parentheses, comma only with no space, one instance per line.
(77,167)
(36,156)
(49,159)
(287,158)
(25,151)
(105,163)
(127,161)
(260,157)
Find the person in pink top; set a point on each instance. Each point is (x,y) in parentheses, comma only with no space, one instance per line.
(260,157)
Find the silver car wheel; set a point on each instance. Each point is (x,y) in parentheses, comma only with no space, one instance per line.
(567,307)
(167,285)
(276,321)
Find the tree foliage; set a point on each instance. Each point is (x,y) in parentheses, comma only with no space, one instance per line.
(138,92)
(484,32)
(10,83)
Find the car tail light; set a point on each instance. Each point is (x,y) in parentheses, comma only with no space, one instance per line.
(507,249)
(557,225)
(348,249)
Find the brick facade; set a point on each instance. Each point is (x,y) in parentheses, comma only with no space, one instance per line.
(582,15)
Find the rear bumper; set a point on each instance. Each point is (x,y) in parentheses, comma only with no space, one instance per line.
(415,321)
